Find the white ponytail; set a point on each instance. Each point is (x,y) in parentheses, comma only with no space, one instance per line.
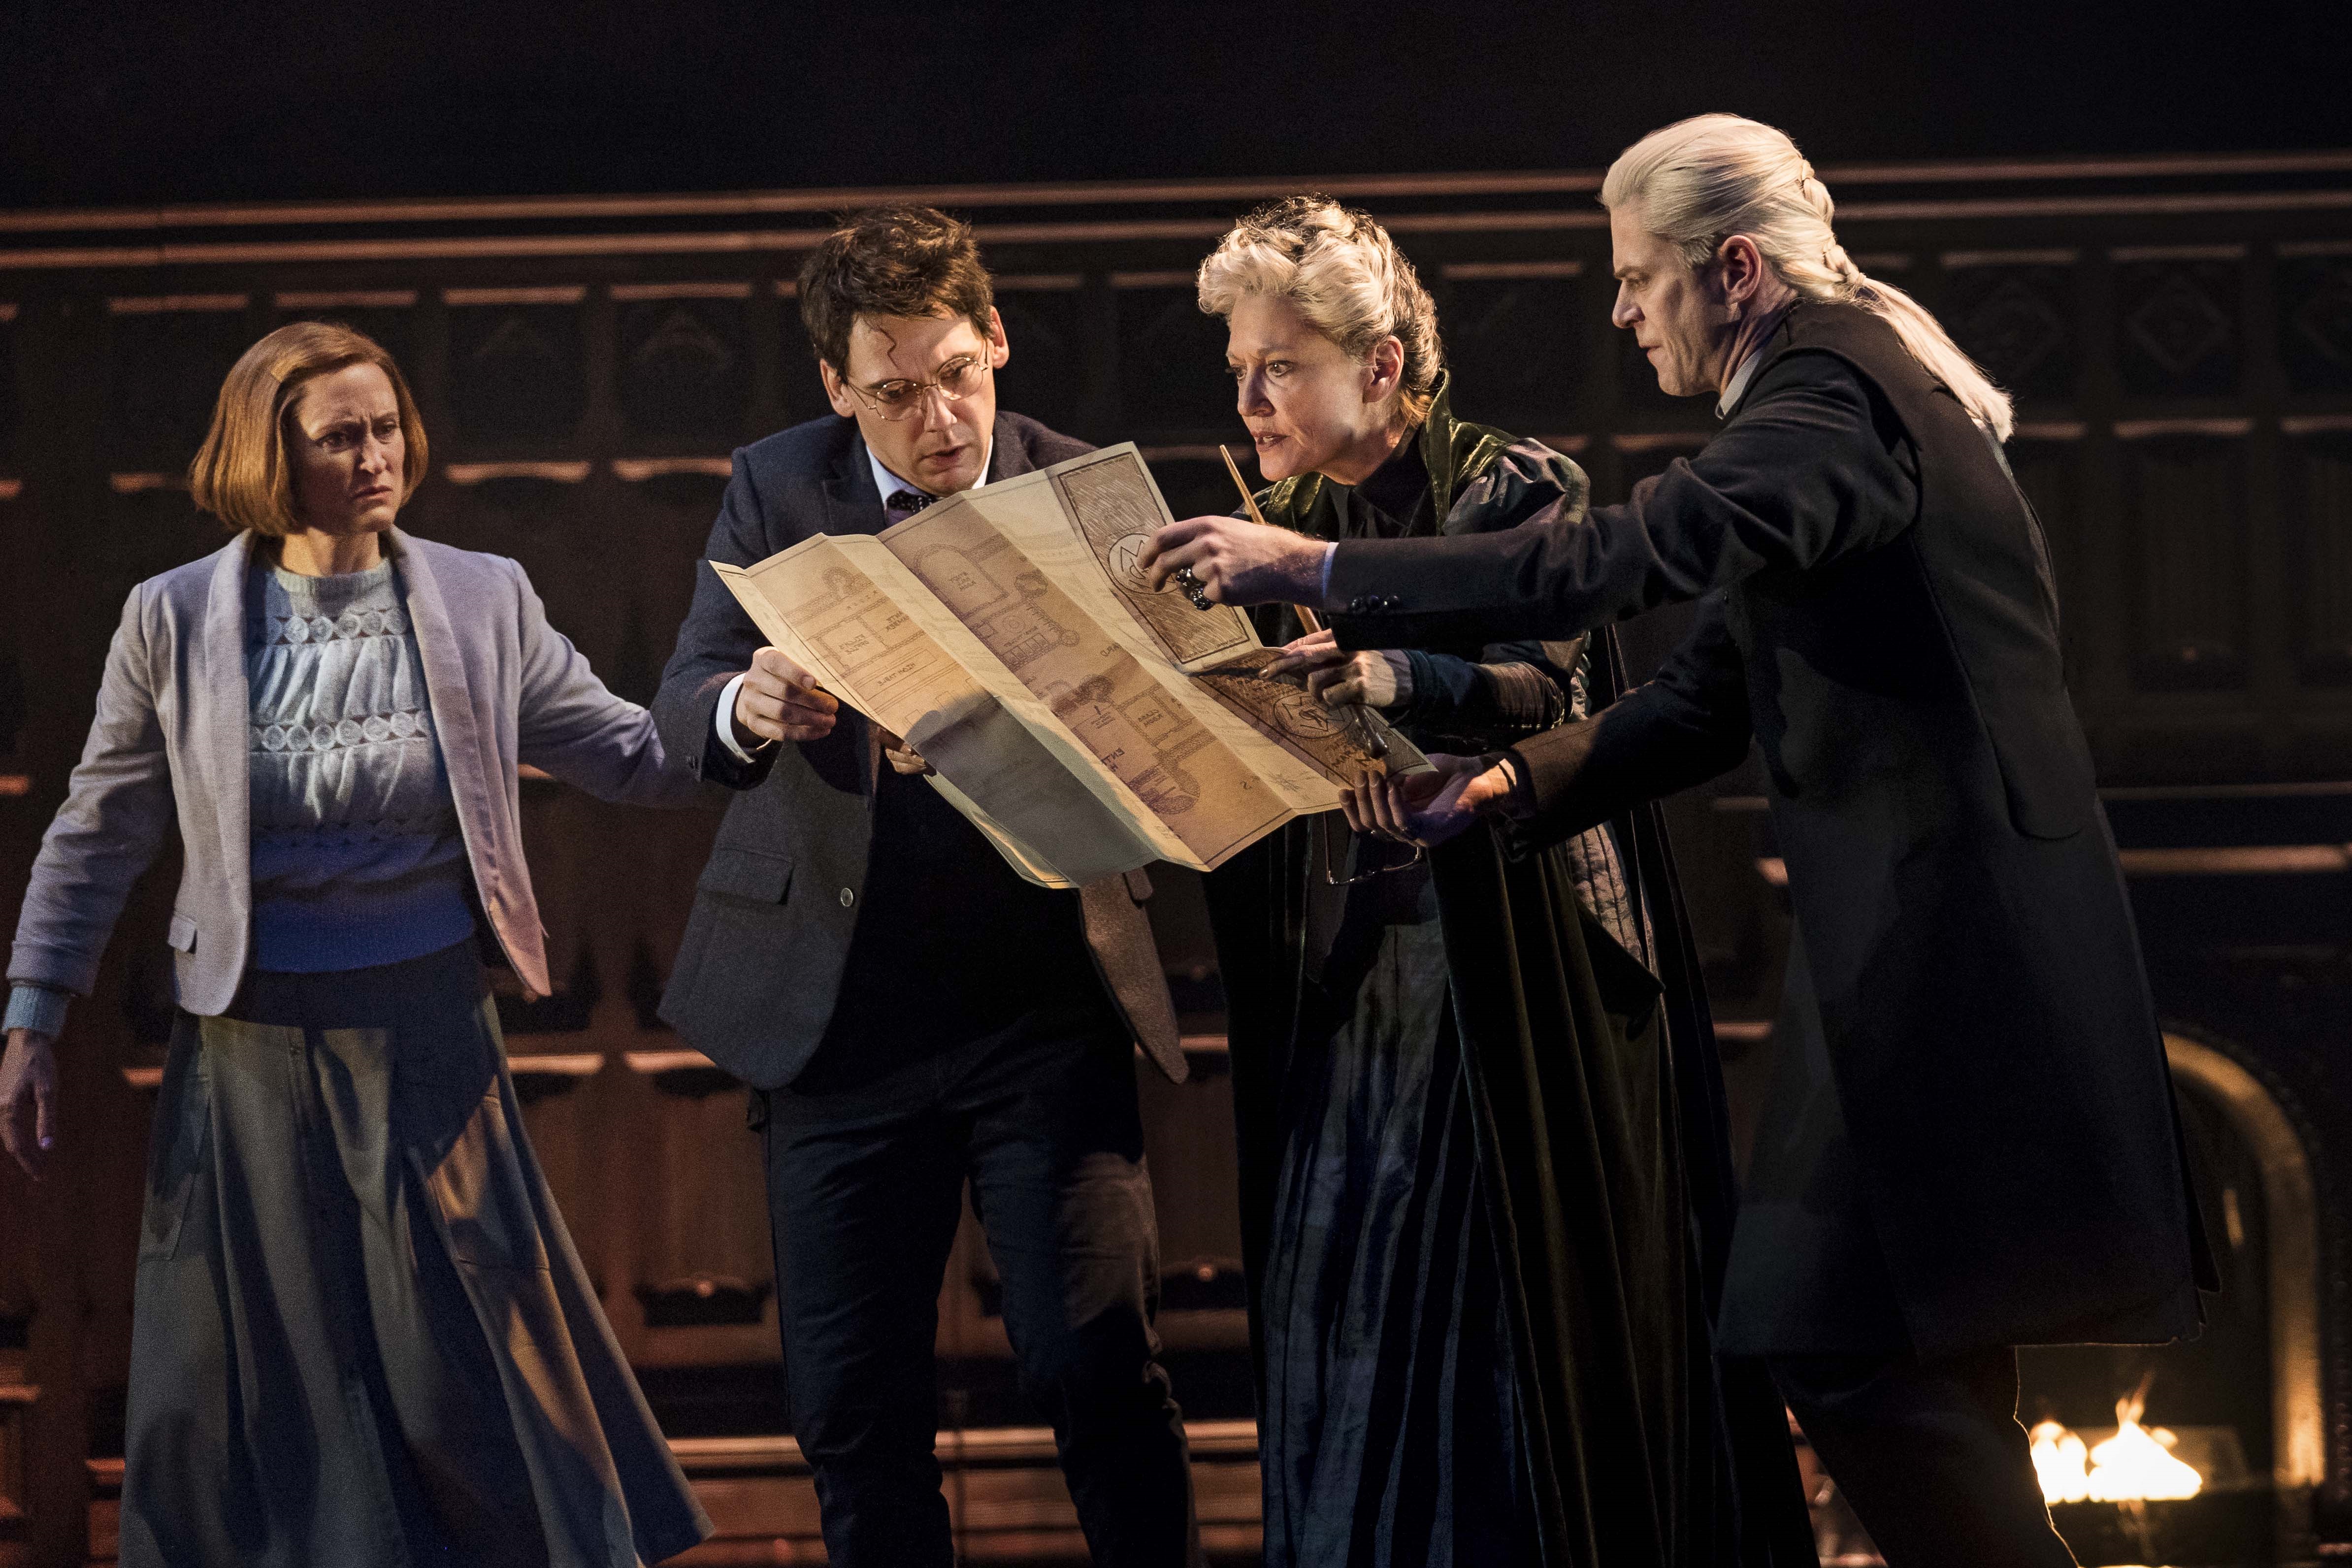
(1700,180)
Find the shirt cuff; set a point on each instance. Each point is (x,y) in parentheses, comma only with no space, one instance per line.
(1323,583)
(722,719)
(40,1009)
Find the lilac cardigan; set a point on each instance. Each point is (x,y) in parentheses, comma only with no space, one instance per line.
(173,733)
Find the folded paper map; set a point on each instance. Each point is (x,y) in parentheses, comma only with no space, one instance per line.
(1084,723)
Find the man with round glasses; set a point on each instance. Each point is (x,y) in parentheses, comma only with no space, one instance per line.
(908,1011)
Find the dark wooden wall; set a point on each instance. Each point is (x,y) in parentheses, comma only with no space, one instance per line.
(2179,333)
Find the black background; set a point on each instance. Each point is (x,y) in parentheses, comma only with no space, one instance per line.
(112,102)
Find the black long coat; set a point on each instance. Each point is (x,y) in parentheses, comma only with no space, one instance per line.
(1878,612)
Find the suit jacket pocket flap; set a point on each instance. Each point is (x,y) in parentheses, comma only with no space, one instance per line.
(747,874)
(182,934)
(2045,768)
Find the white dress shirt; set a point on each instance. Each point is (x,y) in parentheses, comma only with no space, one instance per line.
(1737,387)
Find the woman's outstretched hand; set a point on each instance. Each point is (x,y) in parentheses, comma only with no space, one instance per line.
(28,1099)
(1236,563)
(1377,679)
(1427,808)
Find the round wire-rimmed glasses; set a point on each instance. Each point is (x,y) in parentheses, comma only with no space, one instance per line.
(894,400)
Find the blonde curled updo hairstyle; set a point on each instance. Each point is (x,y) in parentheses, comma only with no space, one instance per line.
(1341,270)
(1700,180)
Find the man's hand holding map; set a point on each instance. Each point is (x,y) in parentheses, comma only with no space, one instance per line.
(1085,722)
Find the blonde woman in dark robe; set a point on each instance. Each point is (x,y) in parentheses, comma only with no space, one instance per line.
(1477,1098)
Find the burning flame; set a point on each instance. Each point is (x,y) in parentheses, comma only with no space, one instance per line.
(2135,1463)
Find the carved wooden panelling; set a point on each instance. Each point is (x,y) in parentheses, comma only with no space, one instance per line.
(563,1127)
(534,517)
(1048,378)
(167,355)
(389,316)
(2176,325)
(698,1190)
(800,384)
(2186,549)
(1512,335)
(2018,321)
(2319,545)
(663,519)
(8,399)
(517,370)
(15,608)
(12,686)
(2314,294)
(148,528)
(1172,364)
(1189,1141)
(685,363)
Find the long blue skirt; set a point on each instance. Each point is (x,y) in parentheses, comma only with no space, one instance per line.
(1390,1403)
(360,1335)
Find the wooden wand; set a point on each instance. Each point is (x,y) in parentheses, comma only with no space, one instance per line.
(1308,620)
(1355,715)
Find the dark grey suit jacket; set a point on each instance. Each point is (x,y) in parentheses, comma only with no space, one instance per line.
(760,968)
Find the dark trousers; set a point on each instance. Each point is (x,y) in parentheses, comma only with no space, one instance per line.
(864,1184)
(1929,1454)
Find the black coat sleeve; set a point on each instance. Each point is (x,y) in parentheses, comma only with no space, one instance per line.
(1684,727)
(1465,698)
(1814,467)
(715,645)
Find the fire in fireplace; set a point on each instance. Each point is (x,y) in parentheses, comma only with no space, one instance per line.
(2227,1477)
(2136,1464)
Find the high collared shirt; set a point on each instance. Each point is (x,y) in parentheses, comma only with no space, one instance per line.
(886,485)
(1737,387)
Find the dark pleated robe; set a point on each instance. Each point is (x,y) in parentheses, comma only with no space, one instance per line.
(1553,1153)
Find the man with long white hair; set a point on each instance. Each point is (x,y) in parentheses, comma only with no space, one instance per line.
(1971,1143)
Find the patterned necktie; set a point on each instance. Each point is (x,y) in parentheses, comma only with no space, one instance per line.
(904,504)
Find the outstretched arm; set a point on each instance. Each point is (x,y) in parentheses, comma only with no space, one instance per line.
(1814,469)
(1686,726)
(569,723)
